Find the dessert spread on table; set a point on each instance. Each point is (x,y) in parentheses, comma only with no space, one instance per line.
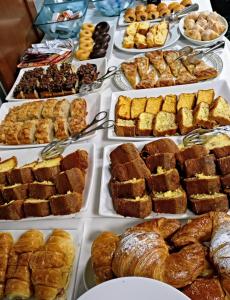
(153,178)
(151,11)
(165,179)
(192,257)
(34,266)
(41,188)
(41,122)
(170,114)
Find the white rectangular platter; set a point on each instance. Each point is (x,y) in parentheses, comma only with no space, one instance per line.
(220,86)
(121,21)
(109,51)
(106,205)
(77,235)
(93,107)
(25,156)
(101,64)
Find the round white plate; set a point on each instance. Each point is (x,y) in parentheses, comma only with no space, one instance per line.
(173,36)
(134,288)
(200,43)
(212,59)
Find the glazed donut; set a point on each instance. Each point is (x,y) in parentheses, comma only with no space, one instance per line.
(86,40)
(162,6)
(140,7)
(85,33)
(186,2)
(82,54)
(164,12)
(88,26)
(178,8)
(102,27)
(151,7)
(153,15)
(172,5)
(88,47)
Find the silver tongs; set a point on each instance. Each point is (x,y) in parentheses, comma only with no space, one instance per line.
(56,148)
(174,17)
(88,88)
(195,54)
(200,136)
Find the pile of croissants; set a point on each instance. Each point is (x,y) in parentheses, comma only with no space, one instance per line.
(189,257)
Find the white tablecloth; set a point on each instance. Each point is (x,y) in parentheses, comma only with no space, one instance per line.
(93,222)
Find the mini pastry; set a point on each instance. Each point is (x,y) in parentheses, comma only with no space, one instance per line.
(193,34)
(172,5)
(132,29)
(162,6)
(44,131)
(130,15)
(128,42)
(152,15)
(140,41)
(209,35)
(186,2)
(178,8)
(143,28)
(151,7)
(164,12)
(140,7)
(141,16)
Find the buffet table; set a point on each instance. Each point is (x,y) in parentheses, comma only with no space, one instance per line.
(93,223)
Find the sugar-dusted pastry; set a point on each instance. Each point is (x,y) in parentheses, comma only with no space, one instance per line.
(130,72)
(156,58)
(209,35)
(140,41)
(132,29)
(26,134)
(44,132)
(48,108)
(61,128)
(142,66)
(128,42)
(189,23)
(61,108)
(130,15)
(193,34)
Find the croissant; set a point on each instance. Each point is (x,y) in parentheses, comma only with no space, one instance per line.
(18,284)
(51,265)
(193,34)
(102,254)
(209,35)
(6,243)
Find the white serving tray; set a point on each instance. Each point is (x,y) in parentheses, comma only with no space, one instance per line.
(106,205)
(220,86)
(93,107)
(101,64)
(25,156)
(77,234)
(173,36)
(109,51)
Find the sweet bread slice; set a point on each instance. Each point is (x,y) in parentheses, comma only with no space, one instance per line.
(61,128)
(127,189)
(36,208)
(156,58)
(34,111)
(11,133)
(15,192)
(145,124)
(186,100)
(20,175)
(47,170)
(48,108)
(153,105)
(137,107)
(142,66)
(219,140)
(78,159)
(70,180)
(12,210)
(164,124)
(66,204)
(78,107)
(225,181)
(203,203)
(166,161)
(123,108)
(185,78)
(224,165)
(220,152)
(164,180)
(206,96)
(140,41)
(194,151)
(166,78)
(76,124)
(44,132)
(125,127)
(124,153)
(220,111)
(202,184)
(130,72)
(185,120)
(139,207)
(27,132)
(170,202)
(201,116)
(169,104)
(204,165)
(41,190)
(159,146)
(6,166)
(61,109)
(203,72)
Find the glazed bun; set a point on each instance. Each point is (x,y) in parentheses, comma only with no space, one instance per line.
(209,35)
(193,34)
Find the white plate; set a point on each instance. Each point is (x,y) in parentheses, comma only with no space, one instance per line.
(109,51)
(106,205)
(77,234)
(173,36)
(93,107)
(25,156)
(200,43)
(221,89)
(134,288)
(211,59)
(101,64)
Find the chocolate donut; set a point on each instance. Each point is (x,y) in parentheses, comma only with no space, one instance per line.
(102,27)
(98,53)
(99,46)
(104,37)
(96,34)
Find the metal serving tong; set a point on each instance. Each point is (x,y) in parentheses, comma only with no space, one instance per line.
(200,136)
(174,17)
(56,148)
(195,54)
(88,88)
